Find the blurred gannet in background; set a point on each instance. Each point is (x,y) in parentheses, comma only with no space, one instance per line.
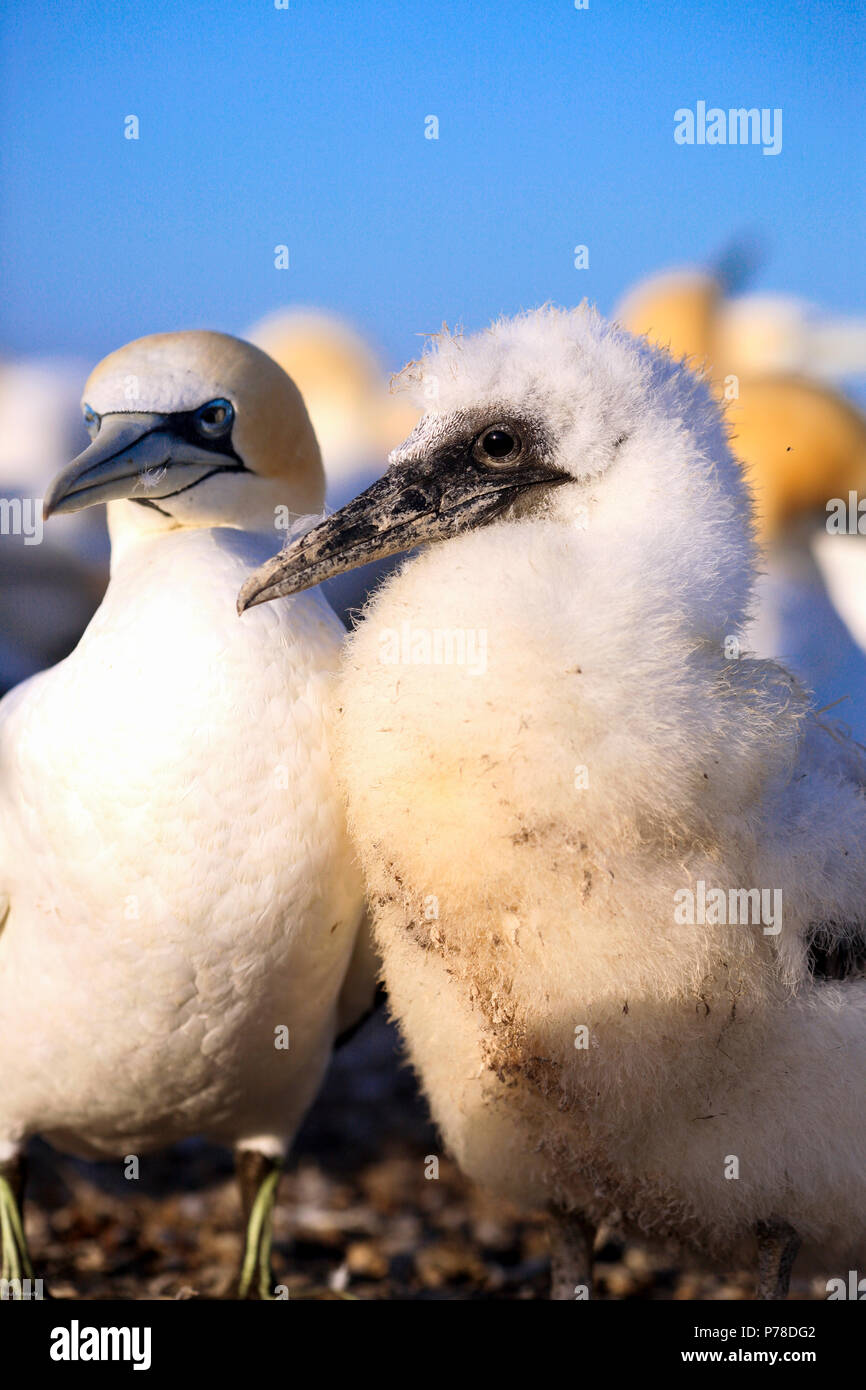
(50,584)
(179,900)
(539,798)
(357,420)
(774,361)
(691,312)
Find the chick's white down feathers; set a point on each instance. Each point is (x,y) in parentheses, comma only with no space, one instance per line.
(518,899)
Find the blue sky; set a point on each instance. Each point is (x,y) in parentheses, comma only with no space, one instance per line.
(305,126)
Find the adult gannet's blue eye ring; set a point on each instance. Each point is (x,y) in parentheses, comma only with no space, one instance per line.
(498,446)
(215,418)
(91,421)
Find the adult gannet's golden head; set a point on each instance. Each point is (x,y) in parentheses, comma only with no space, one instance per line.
(193,429)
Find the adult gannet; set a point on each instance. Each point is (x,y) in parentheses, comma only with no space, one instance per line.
(179,901)
(551,749)
(693,313)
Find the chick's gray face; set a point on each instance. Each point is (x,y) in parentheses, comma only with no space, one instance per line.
(453,472)
(492,436)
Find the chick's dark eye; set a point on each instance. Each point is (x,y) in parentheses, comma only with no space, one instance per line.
(91,421)
(215,418)
(500,444)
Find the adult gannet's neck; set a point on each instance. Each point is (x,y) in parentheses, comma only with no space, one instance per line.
(130,523)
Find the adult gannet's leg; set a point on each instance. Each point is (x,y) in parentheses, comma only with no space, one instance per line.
(778,1244)
(15,1264)
(572,1239)
(258,1176)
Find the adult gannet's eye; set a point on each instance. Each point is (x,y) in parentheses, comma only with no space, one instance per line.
(498,446)
(214,418)
(91,421)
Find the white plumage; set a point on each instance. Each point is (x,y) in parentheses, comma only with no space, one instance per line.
(529,823)
(173,853)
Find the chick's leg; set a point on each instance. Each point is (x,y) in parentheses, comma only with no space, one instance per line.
(778,1244)
(572,1239)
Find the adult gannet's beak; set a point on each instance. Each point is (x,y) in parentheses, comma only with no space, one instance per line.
(422,500)
(136,454)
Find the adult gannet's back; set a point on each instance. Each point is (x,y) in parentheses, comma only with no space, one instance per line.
(617,871)
(179,898)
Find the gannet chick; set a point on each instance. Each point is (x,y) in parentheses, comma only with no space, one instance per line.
(180,900)
(617,870)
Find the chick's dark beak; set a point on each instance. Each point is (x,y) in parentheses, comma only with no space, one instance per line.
(412,503)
